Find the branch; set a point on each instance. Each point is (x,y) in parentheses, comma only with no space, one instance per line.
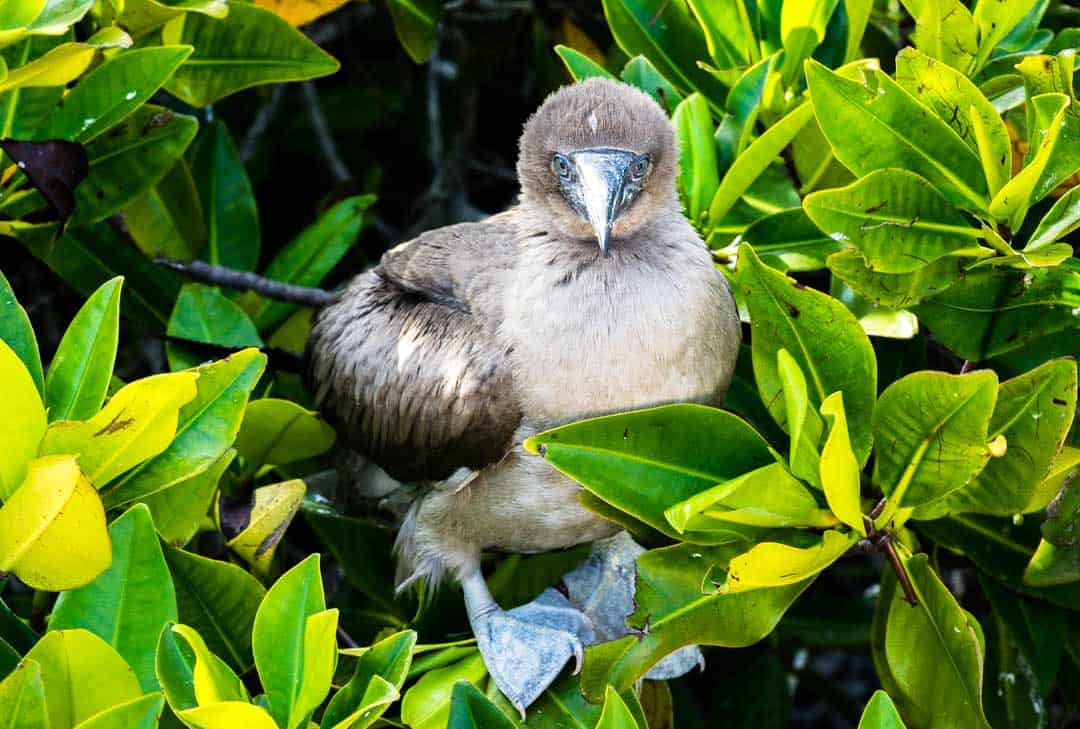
(246,281)
(322,134)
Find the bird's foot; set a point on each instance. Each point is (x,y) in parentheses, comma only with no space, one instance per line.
(603,587)
(525,649)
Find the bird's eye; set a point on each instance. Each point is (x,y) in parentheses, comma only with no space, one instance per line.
(640,167)
(561,166)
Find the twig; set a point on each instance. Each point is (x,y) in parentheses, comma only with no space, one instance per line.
(885,544)
(247,281)
(346,638)
(322,134)
(261,123)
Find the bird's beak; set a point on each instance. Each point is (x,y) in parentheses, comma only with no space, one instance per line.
(602,179)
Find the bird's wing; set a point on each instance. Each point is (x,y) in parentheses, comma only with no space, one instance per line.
(407,363)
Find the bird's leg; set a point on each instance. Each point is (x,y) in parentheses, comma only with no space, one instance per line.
(603,588)
(526,648)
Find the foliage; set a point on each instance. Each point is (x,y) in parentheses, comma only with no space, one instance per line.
(892,190)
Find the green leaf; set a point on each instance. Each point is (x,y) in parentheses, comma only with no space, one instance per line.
(961,105)
(676,598)
(1034,412)
(273,509)
(992,311)
(896,219)
(207,427)
(23,427)
(729,32)
(935,651)
(1056,159)
(58,67)
(580,66)
(131,160)
(80,371)
(311,255)
(228,714)
(802,422)
(895,130)
(750,165)
(697,178)
(380,673)
(141,17)
(140,713)
(232,220)
(181,509)
(880,713)
(470,709)
(931,434)
(776,564)
(22,698)
(211,678)
(219,600)
(789,241)
(616,715)
(129,603)
(415,22)
(174,666)
(351,541)
(426,705)
(995,19)
(944,30)
(640,72)
(644,462)
(204,314)
(280,431)
(1061,220)
(1053,565)
(18,15)
(248,47)
(802,28)
(112,91)
(52,529)
(896,289)
(666,34)
(741,107)
(57,15)
(138,422)
(295,644)
(839,468)
(1058,527)
(167,219)
(82,676)
(820,333)
(18,334)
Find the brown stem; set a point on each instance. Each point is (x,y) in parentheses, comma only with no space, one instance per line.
(885,544)
(876,511)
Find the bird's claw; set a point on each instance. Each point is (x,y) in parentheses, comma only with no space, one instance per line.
(525,649)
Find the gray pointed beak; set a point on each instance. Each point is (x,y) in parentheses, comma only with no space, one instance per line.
(602,180)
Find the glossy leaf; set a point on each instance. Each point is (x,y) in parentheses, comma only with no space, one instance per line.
(207,427)
(167,219)
(142,17)
(57,15)
(82,676)
(1053,565)
(311,255)
(1060,220)
(52,529)
(640,72)
(896,130)
(112,91)
(22,698)
(219,600)
(995,19)
(379,675)
(130,160)
(616,714)
(280,431)
(741,109)
(945,30)
(896,289)
(137,423)
(273,509)
(880,713)
(697,178)
(1033,626)
(580,66)
(212,679)
(300,12)
(181,509)
(57,67)
(789,241)
(22,429)
(802,422)
(935,651)
(174,666)
(295,644)
(248,47)
(129,603)
(839,468)
(228,202)
(1065,491)
(1034,413)
(140,713)
(822,336)
(644,462)
(415,22)
(931,434)
(204,314)
(729,32)
(470,709)
(228,714)
(18,334)
(80,371)
(802,28)
(426,705)
(775,564)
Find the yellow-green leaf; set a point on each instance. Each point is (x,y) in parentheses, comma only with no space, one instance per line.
(137,423)
(52,530)
(213,680)
(280,431)
(616,715)
(22,698)
(62,64)
(839,468)
(772,564)
(803,424)
(23,423)
(228,715)
(273,510)
(300,12)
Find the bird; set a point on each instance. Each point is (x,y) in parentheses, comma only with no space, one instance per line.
(591,295)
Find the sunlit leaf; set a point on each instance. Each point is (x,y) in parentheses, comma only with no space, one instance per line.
(227,715)
(839,468)
(773,564)
(280,431)
(22,428)
(379,675)
(273,509)
(22,698)
(212,679)
(880,713)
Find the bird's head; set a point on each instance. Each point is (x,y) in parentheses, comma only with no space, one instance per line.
(600,157)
